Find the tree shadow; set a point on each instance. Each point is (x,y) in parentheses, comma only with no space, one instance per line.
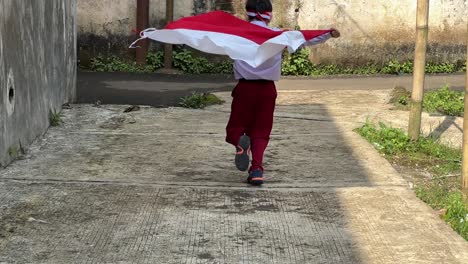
(444,126)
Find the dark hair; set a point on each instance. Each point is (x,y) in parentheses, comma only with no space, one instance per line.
(259,5)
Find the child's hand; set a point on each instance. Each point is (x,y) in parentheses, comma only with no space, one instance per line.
(335,33)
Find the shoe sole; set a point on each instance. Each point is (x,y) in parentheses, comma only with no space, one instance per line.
(255,181)
(242,160)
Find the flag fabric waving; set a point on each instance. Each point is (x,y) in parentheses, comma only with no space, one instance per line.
(221,33)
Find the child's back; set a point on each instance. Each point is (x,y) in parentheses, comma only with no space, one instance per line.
(269,70)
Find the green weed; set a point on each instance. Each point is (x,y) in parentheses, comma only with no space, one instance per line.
(457,213)
(427,152)
(200,100)
(155,60)
(444,195)
(184,60)
(13,151)
(55,118)
(115,64)
(443,100)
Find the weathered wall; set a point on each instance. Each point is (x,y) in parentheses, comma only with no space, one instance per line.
(373,31)
(380,30)
(37,68)
(105,26)
(119,16)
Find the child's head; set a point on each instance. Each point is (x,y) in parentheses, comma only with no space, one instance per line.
(259,10)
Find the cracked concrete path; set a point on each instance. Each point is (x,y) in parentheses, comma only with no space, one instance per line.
(159,186)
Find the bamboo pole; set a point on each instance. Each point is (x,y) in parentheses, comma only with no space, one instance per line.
(465,127)
(168,47)
(414,126)
(142,23)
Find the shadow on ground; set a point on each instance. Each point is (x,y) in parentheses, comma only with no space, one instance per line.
(159,185)
(158,90)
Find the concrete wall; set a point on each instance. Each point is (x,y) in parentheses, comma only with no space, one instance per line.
(105,26)
(373,31)
(119,16)
(37,68)
(380,30)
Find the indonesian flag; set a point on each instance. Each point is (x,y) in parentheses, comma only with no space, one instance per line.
(221,33)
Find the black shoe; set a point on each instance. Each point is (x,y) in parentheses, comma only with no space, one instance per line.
(242,159)
(255,177)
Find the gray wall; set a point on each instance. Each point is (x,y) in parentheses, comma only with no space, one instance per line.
(372,31)
(381,30)
(37,68)
(105,26)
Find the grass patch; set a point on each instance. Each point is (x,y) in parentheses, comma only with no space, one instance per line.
(116,64)
(443,195)
(427,152)
(183,60)
(442,100)
(443,162)
(55,118)
(296,64)
(200,100)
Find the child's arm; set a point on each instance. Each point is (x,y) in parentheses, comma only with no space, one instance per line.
(333,34)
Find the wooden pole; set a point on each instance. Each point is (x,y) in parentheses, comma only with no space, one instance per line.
(414,127)
(465,127)
(142,23)
(168,47)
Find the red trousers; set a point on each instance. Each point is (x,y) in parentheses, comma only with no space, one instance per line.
(252,111)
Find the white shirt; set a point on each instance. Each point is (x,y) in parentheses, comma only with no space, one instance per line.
(270,69)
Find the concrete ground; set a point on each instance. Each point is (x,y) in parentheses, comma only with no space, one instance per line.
(159,186)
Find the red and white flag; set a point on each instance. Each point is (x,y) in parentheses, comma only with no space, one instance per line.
(221,33)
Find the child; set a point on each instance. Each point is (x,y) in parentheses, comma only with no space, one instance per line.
(254,99)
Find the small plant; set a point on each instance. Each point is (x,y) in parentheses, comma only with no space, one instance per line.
(55,118)
(444,195)
(185,60)
(395,67)
(457,214)
(200,100)
(297,63)
(441,68)
(400,96)
(403,100)
(13,151)
(155,60)
(444,101)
